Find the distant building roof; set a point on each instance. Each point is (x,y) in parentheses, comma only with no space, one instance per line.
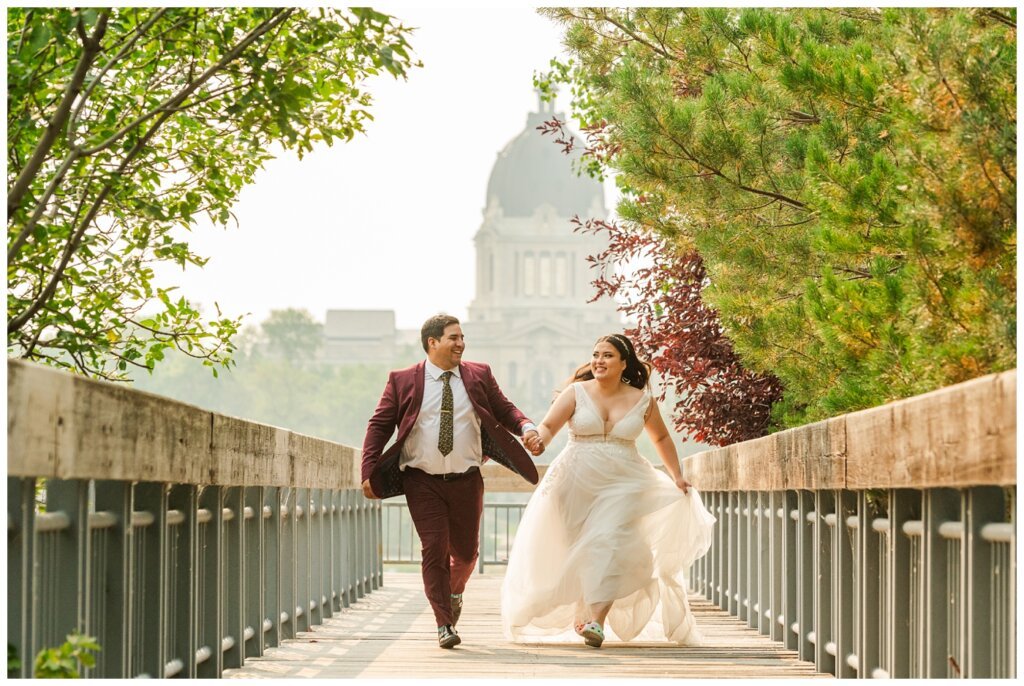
(532,170)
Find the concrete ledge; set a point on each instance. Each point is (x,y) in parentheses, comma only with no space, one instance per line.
(958,436)
(71,427)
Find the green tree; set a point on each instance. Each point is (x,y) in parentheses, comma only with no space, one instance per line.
(847,176)
(291,334)
(126,124)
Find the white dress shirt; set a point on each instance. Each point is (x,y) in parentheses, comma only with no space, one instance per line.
(420,448)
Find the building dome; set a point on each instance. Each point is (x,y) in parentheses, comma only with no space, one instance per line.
(532,170)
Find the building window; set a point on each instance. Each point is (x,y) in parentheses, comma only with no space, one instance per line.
(490,271)
(561,274)
(529,273)
(544,268)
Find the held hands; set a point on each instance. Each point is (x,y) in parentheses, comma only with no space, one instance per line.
(533,443)
(368,492)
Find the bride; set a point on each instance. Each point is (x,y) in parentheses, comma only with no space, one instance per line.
(606,537)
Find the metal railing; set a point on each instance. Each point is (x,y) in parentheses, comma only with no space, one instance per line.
(210,545)
(182,580)
(877,544)
(897,583)
(499,522)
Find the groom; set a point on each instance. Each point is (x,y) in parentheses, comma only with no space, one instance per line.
(450,416)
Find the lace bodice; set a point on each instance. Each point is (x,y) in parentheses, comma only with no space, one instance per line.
(586,422)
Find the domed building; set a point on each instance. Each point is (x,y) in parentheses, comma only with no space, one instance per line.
(530,319)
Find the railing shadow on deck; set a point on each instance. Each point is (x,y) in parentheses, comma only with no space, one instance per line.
(879,543)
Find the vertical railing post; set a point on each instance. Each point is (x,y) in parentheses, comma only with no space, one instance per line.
(823,635)
(378,545)
(287,552)
(117,638)
(777,559)
(73,549)
(313,559)
(806,583)
(720,549)
(254,573)
(149,652)
(869,580)
(210,572)
(901,505)
(362,511)
(234,581)
(940,505)
(302,571)
(765,606)
(791,568)
(21,581)
(271,555)
(338,537)
(711,559)
(845,579)
(732,533)
(348,545)
(743,561)
(983,504)
(184,500)
(323,552)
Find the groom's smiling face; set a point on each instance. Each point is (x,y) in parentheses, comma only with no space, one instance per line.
(446,352)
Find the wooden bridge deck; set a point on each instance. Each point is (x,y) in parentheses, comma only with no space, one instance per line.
(391,633)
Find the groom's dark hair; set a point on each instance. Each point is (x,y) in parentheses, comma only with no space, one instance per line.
(434,328)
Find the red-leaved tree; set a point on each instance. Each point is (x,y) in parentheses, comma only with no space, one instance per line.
(721,402)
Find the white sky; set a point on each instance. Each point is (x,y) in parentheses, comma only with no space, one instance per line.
(385,221)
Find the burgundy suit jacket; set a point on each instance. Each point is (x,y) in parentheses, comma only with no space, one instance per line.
(399,407)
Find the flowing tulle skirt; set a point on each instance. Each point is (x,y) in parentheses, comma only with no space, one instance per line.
(604,525)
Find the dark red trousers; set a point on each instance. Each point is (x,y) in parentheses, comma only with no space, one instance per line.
(447,518)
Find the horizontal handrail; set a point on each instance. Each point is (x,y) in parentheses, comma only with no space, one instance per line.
(66,426)
(955,437)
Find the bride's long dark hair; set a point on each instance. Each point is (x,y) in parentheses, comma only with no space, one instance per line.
(637,372)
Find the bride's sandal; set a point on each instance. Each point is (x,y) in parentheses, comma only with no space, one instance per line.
(592,633)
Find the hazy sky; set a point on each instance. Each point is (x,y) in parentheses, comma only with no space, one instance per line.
(387,220)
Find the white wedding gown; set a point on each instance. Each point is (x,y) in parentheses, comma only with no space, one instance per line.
(605,525)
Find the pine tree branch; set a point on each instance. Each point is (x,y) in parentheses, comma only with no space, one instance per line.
(1000,17)
(603,14)
(720,174)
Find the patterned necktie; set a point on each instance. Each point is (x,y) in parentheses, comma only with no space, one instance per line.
(446,437)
